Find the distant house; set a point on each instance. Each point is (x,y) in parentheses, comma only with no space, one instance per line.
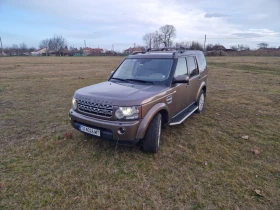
(219,47)
(269,49)
(87,51)
(77,53)
(66,52)
(110,52)
(97,51)
(134,49)
(92,51)
(42,51)
(231,50)
(26,54)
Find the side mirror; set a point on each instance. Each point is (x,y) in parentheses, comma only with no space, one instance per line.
(181,79)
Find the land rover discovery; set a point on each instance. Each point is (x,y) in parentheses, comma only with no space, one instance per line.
(146,91)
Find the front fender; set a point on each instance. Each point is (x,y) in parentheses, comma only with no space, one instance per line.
(148,117)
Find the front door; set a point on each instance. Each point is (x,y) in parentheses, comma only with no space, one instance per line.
(182,96)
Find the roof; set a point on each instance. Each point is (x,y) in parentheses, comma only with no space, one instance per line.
(41,49)
(133,49)
(218,47)
(97,49)
(165,54)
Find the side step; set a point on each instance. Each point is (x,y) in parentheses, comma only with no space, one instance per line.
(181,116)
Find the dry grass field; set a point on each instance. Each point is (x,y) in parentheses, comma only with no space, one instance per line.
(203,163)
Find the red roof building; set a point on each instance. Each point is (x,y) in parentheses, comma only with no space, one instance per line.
(133,49)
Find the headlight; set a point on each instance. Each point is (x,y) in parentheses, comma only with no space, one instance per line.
(128,113)
(74,104)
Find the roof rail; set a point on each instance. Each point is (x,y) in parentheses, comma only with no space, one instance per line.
(138,52)
(180,49)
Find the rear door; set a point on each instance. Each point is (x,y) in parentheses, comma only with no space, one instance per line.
(193,73)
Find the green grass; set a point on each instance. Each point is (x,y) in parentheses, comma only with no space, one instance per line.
(202,164)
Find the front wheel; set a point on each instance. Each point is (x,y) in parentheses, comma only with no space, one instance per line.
(151,140)
(200,102)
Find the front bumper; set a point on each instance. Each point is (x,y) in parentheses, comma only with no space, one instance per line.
(108,129)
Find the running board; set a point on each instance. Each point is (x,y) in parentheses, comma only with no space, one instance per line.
(179,118)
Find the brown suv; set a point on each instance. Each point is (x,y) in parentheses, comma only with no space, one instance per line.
(147,91)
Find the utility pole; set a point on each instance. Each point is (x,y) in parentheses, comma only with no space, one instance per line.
(204,43)
(1,46)
(85,43)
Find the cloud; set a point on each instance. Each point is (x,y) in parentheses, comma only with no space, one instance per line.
(255,33)
(107,22)
(248,35)
(214,15)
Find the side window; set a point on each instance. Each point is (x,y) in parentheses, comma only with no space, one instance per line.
(193,70)
(201,61)
(181,67)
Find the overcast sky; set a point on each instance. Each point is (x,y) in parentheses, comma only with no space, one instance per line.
(124,22)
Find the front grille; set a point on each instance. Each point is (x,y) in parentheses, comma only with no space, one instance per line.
(95,108)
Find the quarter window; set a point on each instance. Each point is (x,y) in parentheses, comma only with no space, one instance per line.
(181,67)
(192,67)
(201,61)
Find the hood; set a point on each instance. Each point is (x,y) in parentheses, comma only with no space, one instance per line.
(120,94)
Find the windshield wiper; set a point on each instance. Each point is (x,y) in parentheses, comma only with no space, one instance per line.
(120,79)
(139,80)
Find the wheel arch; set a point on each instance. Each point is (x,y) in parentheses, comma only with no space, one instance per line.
(158,108)
(201,88)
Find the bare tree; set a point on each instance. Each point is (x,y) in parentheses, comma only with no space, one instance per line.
(23,47)
(240,47)
(182,44)
(209,47)
(262,45)
(57,43)
(148,39)
(161,38)
(166,33)
(233,47)
(31,49)
(196,46)
(44,44)
(15,47)
(156,40)
(246,47)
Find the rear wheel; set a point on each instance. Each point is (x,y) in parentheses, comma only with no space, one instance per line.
(151,140)
(200,102)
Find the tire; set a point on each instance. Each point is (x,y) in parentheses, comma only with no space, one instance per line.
(201,101)
(151,140)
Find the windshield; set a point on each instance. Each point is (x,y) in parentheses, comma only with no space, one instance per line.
(143,69)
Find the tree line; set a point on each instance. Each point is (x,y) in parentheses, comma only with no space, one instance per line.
(165,35)
(55,43)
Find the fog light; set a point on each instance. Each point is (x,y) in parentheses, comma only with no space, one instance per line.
(121,130)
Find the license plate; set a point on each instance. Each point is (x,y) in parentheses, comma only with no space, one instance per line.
(89,130)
